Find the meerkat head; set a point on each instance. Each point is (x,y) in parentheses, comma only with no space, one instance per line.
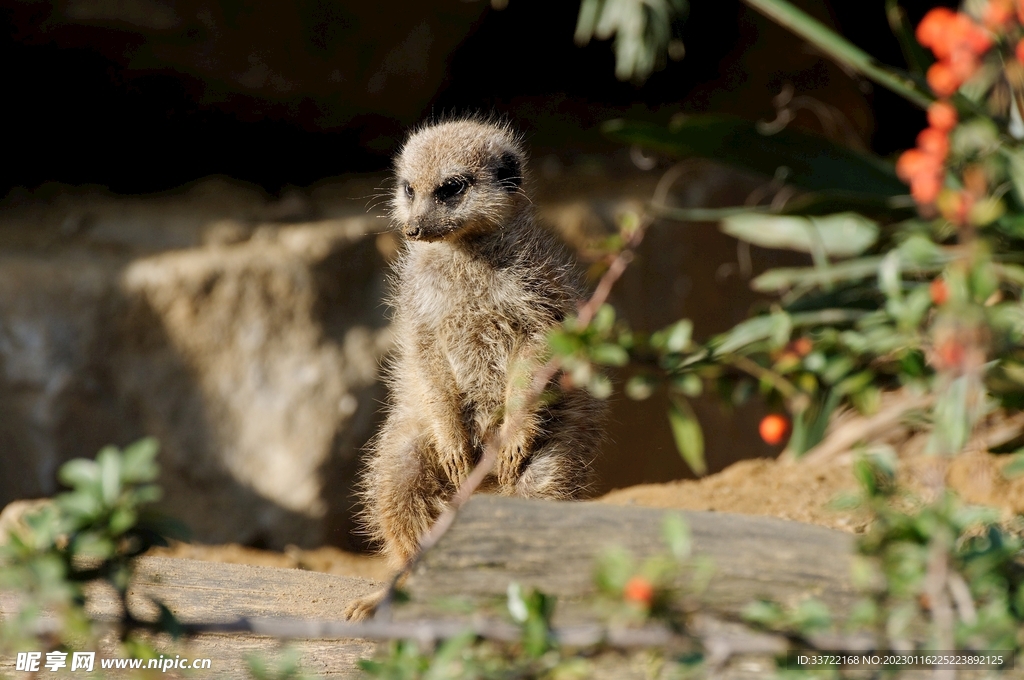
(457,178)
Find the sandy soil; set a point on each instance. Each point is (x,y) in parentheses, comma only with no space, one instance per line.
(326,559)
(806,492)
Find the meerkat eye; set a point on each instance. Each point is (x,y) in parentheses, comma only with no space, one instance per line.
(452,187)
(409,191)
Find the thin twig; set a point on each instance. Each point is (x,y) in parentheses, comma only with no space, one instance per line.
(748,365)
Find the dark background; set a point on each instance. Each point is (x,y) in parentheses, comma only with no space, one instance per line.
(141,96)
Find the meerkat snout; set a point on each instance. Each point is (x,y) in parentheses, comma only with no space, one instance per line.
(449,191)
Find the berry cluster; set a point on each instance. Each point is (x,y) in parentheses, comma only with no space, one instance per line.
(922,167)
(959,43)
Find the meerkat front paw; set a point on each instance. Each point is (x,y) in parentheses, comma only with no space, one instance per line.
(508,468)
(457,468)
(362,608)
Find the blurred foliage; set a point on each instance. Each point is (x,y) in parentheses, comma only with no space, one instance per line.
(90,533)
(919,295)
(645,31)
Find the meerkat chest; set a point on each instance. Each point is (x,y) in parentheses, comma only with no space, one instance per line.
(475,318)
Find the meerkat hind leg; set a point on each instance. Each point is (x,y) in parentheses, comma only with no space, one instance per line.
(362,608)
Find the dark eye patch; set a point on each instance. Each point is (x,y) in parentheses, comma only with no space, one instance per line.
(452,187)
(509,172)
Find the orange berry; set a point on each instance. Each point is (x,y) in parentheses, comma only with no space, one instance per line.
(939,291)
(914,163)
(977,39)
(773,428)
(997,14)
(963,63)
(942,116)
(942,79)
(639,590)
(933,27)
(1020,11)
(1020,51)
(925,188)
(803,346)
(933,142)
(950,354)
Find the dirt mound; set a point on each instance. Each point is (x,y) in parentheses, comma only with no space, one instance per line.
(806,492)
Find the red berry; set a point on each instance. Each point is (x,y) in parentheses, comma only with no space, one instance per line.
(639,590)
(939,291)
(933,142)
(942,79)
(774,428)
(934,25)
(963,62)
(950,354)
(976,38)
(925,188)
(914,163)
(1020,51)
(942,116)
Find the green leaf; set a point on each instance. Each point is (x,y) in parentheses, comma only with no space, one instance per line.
(121,520)
(564,343)
(608,354)
(784,278)
(689,384)
(842,235)
(744,333)
(811,162)
(764,613)
(774,326)
(614,568)
(109,462)
(138,462)
(603,319)
(812,615)
(679,336)
(640,387)
(840,49)
(79,472)
(687,433)
(83,505)
(91,544)
(953,419)
(677,535)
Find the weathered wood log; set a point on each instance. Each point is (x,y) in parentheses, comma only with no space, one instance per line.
(216,592)
(494,541)
(553,546)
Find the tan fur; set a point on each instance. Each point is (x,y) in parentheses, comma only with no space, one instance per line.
(478,287)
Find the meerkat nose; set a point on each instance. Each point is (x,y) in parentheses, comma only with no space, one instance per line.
(413,231)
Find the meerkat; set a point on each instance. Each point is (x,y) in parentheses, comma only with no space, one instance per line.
(478,287)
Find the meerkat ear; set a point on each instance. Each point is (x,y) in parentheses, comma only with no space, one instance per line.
(509,172)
